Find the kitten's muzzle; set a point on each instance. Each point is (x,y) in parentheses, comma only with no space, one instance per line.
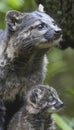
(59,105)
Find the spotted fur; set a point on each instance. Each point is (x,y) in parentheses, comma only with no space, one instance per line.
(36,114)
(23,48)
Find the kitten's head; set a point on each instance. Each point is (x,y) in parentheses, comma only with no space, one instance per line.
(43,97)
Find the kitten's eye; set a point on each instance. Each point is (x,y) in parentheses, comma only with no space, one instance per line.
(51,99)
(41,26)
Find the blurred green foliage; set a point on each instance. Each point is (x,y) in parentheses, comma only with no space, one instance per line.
(56,62)
(60,72)
(64,122)
(24,5)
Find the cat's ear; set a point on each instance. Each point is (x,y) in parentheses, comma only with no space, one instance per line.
(41,8)
(14,19)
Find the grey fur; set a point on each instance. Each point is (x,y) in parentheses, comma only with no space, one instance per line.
(23,46)
(35,114)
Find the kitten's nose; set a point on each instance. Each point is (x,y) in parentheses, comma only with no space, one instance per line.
(59,105)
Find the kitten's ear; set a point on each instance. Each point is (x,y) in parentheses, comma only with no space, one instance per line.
(34,96)
(14,19)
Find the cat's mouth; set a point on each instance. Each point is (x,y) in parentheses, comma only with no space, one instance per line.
(50,43)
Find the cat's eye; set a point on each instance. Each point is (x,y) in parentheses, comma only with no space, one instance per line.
(54,23)
(41,26)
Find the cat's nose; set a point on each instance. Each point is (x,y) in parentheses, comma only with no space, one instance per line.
(58,32)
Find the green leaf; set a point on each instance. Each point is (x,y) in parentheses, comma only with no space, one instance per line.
(4,6)
(15,3)
(61,123)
